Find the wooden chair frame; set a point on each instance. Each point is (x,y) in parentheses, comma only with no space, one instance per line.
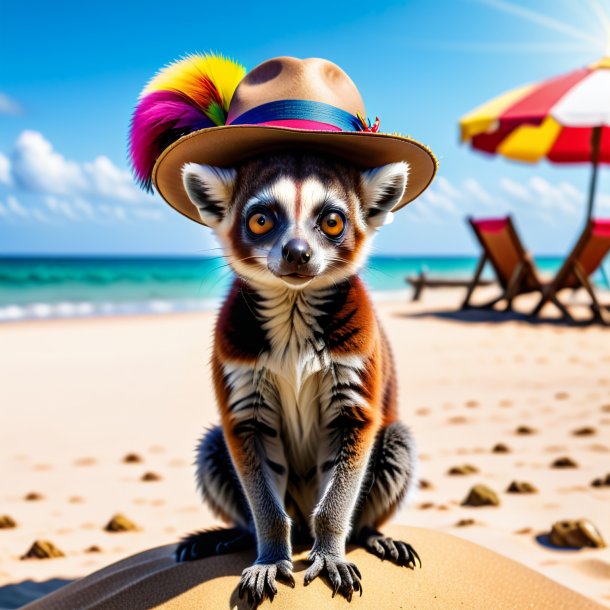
(572,266)
(523,278)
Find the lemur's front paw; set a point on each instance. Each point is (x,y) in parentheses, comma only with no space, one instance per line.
(343,575)
(401,553)
(258,580)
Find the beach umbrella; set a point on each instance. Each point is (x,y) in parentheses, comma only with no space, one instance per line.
(565,119)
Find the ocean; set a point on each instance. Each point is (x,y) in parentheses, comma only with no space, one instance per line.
(59,287)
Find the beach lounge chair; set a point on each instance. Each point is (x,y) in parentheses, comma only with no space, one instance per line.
(512,264)
(585,259)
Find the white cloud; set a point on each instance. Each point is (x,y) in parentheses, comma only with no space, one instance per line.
(439,201)
(515,189)
(37,167)
(602,202)
(543,198)
(5,170)
(61,207)
(473,188)
(148,214)
(8,105)
(107,180)
(446,188)
(13,205)
(549,196)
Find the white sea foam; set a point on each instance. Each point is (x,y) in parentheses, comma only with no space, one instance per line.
(86,309)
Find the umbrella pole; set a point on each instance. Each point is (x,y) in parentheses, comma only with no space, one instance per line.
(596,136)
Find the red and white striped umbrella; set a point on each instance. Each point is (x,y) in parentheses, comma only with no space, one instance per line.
(565,120)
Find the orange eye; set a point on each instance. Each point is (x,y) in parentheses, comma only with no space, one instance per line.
(260,223)
(333,224)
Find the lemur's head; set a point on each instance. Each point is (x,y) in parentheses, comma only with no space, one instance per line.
(295,220)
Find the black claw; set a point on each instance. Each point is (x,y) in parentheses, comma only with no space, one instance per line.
(415,555)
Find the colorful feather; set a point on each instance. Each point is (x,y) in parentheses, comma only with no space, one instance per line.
(190,94)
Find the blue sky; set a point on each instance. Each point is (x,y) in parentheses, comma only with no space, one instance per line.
(71,73)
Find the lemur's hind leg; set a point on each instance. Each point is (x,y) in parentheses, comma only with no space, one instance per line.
(390,476)
(221,489)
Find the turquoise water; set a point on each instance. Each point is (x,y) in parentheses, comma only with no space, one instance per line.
(66,287)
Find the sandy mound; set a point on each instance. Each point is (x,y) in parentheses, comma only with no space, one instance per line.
(455,574)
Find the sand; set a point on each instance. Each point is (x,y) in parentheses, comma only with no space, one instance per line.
(458,574)
(77,396)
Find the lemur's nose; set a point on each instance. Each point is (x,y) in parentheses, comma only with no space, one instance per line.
(296,251)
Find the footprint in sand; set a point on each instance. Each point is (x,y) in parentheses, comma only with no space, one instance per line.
(458,419)
(86,461)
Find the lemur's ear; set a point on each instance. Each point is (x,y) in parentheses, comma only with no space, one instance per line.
(383,187)
(210,189)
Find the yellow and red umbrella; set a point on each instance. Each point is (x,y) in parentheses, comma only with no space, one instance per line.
(564,120)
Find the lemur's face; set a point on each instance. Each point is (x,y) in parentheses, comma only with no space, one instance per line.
(295,220)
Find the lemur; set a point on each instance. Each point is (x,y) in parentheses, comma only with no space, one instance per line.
(310,447)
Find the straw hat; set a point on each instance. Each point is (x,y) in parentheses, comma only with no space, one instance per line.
(206,109)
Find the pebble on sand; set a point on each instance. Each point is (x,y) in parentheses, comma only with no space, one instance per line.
(601,481)
(564,462)
(521,487)
(576,534)
(465,522)
(149,477)
(120,523)
(585,431)
(463,470)
(481,495)
(501,448)
(132,458)
(33,496)
(43,549)
(7,522)
(524,430)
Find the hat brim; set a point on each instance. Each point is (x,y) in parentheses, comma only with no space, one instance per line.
(227,145)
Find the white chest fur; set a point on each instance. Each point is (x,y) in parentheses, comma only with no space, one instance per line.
(297,365)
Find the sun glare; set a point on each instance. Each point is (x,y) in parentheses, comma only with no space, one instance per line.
(600,39)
